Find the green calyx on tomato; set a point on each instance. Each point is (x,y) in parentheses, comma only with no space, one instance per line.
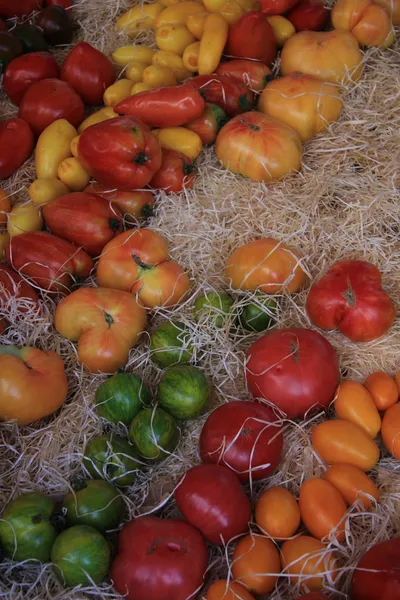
(183,392)
(112,458)
(213,306)
(258,315)
(170,344)
(155,433)
(95,503)
(245,104)
(120,398)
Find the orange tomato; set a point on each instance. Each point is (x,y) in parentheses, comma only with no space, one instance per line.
(340,441)
(383,389)
(308,559)
(391,430)
(256,563)
(133,205)
(277,513)
(368,22)
(353,484)
(393,9)
(354,403)
(224,590)
(5,206)
(322,509)
(105,323)
(397,381)
(303,102)
(266,265)
(328,55)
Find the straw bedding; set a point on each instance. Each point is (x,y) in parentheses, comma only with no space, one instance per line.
(344,204)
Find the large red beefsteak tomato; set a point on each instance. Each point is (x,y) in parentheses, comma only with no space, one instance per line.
(159,560)
(120,152)
(25,70)
(16,144)
(252,37)
(350,298)
(243,436)
(377,575)
(295,369)
(211,498)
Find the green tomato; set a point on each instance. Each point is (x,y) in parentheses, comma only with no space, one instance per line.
(95,503)
(183,391)
(112,458)
(169,344)
(258,316)
(121,397)
(155,433)
(215,305)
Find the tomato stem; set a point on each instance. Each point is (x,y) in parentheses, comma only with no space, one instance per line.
(349,295)
(141,159)
(141,264)
(147,211)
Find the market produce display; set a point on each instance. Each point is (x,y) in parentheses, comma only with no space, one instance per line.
(199,334)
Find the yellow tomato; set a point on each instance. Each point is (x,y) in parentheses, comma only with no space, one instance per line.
(53,147)
(140,17)
(101,115)
(173,61)
(277,513)
(73,174)
(4,239)
(127,54)
(174,38)
(74,145)
(24,218)
(214,6)
(156,76)
(212,43)
(354,403)
(117,92)
(304,556)
(340,441)
(231,11)
(134,71)
(5,206)
(283,29)
(253,558)
(180,139)
(137,88)
(322,509)
(249,5)
(195,24)
(353,484)
(391,430)
(42,191)
(383,389)
(178,13)
(191,57)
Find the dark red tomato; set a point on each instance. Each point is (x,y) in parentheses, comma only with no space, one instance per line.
(10,48)
(377,575)
(19,8)
(12,284)
(243,436)
(48,100)
(309,15)
(56,25)
(211,498)
(252,37)
(229,93)
(87,220)
(121,153)
(209,124)
(277,7)
(350,298)
(175,174)
(295,369)
(3,26)
(16,144)
(26,70)
(159,559)
(89,72)
(63,3)
(254,74)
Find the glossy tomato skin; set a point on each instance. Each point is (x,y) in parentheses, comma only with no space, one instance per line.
(277,7)
(242,436)
(16,144)
(120,152)
(89,72)
(350,298)
(25,70)
(229,93)
(252,37)
(376,576)
(202,497)
(9,8)
(209,124)
(48,100)
(159,559)
(253,73)
(296,369)
(175,174)
(309,15)
(56,25)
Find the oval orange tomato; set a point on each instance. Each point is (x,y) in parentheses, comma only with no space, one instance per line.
(383,389)
(307,560)
(224,590)
(368,22)
(266,265)
(277,513)
(354,403)
(259,147)
(322,509)
(353,484)
(391,430)
(253,558)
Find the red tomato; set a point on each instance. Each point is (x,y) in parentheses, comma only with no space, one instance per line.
(120,153)
(3,26)
(309,15)
(87,220)
(244,437)
(63,3)
(277,7)
(252,37)
(13,286)
(48,100)
(254,74)
(211,498)
(376,576)
(25,70)
(209,124)
(16,144)
(50,262)
(11,8)
(229,93)
(175,174)
(350,298)
(134,205)
(89,72)
(159,559)
(296,369)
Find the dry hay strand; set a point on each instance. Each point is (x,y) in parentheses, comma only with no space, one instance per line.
(344,204)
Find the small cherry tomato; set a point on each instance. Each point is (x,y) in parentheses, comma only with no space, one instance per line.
(277,513)
(254,556)
(383,389)
(353,484)
(175,174)
(354,403)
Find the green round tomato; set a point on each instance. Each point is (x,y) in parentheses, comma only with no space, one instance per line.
(183,391)
(26,530)
(155,433)
(213,305)
(95,503)
(112,458)
(170,344)
(31,37)
(121,397)
(258,315)
(81,555)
